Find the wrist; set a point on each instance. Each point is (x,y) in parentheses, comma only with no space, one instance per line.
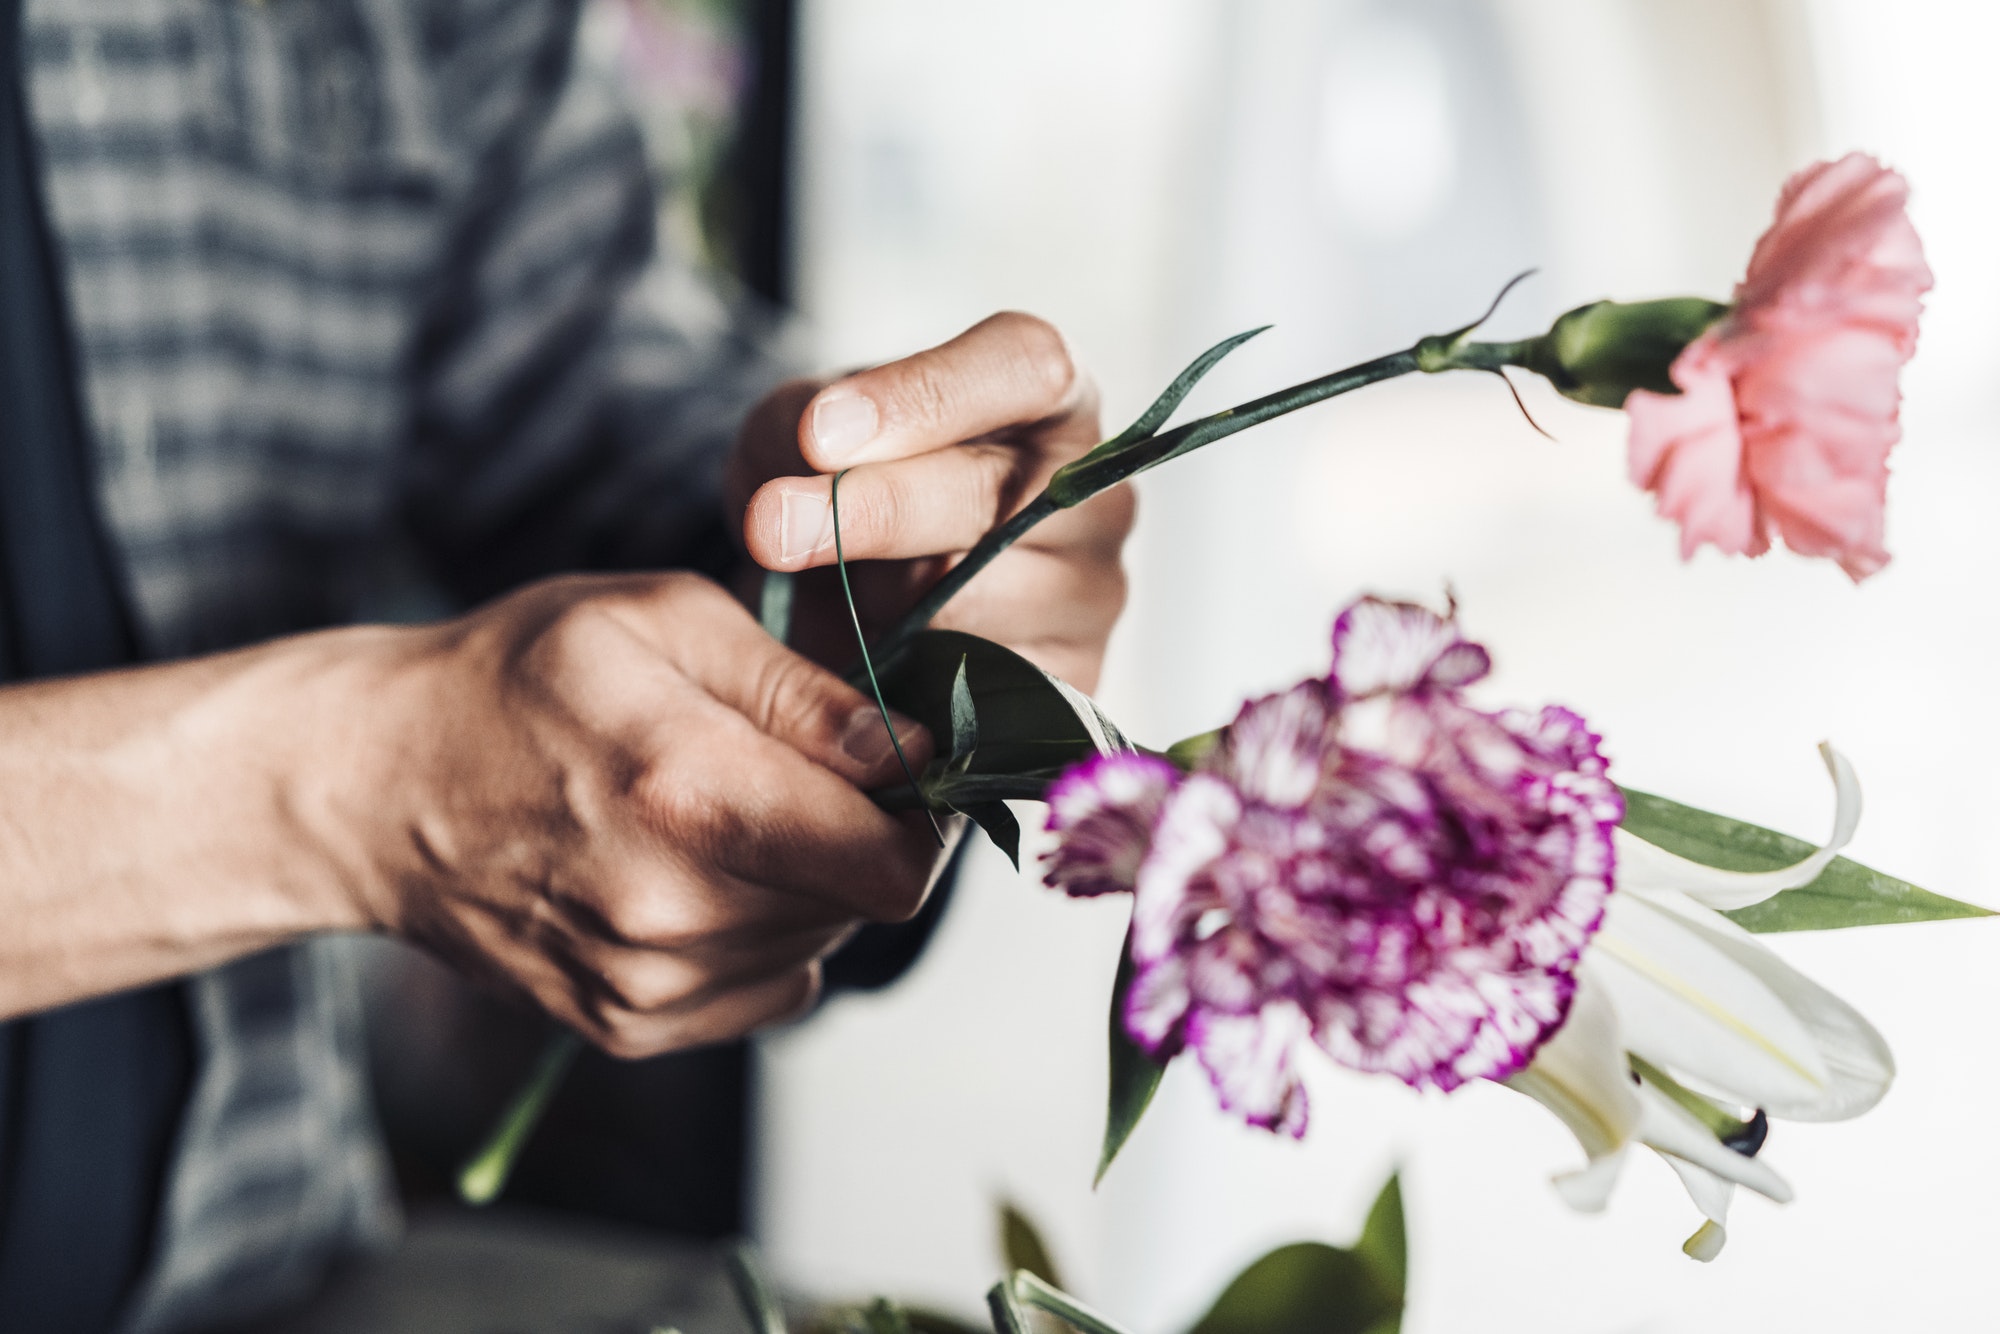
(167,819)
(347,711)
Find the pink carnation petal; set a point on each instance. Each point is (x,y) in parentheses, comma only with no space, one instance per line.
(1820,417)
(1789,408)
(1687,449)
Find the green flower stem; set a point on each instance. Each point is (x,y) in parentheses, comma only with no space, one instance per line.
(1481,356)
(1108,465)
(753,1292)
(1721,1122)
(1060,1304)
(483,1177)
(1005,1310)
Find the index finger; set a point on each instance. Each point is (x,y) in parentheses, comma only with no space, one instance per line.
(1008,370)
(731,800)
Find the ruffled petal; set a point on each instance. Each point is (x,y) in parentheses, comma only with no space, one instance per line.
(1382,647)
(1249,1059)
(1102,813)
(1687,449)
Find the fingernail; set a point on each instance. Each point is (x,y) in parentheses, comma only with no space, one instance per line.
(866,741)
(842,422)
(805,525)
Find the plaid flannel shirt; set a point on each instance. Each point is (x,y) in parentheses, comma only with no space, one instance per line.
(354,283)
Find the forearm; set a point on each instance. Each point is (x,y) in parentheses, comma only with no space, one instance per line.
(162,820)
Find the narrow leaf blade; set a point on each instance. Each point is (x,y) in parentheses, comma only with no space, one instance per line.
(1154,417)
(1384,1244)
(1846,894)
(999,824)
(1022,1247)
(964,716)
(1135,1076)
(1028,721)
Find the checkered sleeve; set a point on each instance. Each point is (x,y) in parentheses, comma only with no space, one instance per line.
(576,385)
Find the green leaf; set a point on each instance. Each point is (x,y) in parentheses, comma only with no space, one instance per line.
(999,824)
(1312,1288)
(1154,417)
(1846,893)
(1031,726)
(924,1320)
(883,1316)
(1022,1247)
(1135,1076)
(964,717)
(1190,751)
(1384,1244)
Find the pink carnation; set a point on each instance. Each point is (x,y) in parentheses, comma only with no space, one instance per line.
(1367,860)
(1788,406)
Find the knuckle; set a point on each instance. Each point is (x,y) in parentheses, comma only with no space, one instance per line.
(926,390)
(1042,352)
(575,636)
(653,913)
(682,807)
(638,989)
(791,698)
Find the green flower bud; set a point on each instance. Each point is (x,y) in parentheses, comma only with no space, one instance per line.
(1601,352)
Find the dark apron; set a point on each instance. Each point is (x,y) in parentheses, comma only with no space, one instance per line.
(90,1095)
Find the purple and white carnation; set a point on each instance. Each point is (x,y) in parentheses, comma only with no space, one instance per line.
(1366,858)
(1103,812)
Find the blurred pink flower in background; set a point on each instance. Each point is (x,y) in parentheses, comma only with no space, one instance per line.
(1788,407)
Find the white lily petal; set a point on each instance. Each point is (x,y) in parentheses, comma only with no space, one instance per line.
(1588,1189)
(1645,868)
(1687,1004)
(1672,1130)
(1857,1059)
(1581,1073)
(1706,1243)
(1710,1193)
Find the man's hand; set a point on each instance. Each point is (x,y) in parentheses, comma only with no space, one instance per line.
(616,795)
(942,445)
(621,796)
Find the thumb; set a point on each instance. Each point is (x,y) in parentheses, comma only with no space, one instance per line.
(795,700)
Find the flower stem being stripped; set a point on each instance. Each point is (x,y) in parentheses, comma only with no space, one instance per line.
(485,1174)
(867,661)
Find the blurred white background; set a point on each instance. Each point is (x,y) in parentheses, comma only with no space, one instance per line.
(1154,174)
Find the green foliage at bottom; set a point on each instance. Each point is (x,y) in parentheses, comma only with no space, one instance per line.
(1312,1288)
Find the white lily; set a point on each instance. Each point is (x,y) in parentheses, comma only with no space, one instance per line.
(1672,990)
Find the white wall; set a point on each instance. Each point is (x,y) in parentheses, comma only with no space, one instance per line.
(1154,175)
